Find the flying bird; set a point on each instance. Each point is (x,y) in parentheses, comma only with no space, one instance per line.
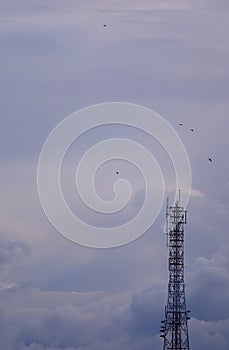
(117,172)
(180,124)
(104,25)
(192,129)
(210,160)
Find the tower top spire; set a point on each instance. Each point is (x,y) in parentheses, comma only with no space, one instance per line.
(179,196)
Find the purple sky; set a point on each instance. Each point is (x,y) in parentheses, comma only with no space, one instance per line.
(56,57)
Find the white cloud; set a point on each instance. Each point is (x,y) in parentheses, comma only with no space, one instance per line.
(196,193)
(209,286)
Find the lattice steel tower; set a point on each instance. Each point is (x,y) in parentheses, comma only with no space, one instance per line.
(174,327)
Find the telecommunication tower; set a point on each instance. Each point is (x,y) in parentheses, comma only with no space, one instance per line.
(174,329)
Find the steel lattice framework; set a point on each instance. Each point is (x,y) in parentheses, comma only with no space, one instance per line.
(174,327)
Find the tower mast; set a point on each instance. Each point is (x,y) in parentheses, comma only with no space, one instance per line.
(174,329)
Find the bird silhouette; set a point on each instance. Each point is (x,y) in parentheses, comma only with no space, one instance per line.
(192,129)
(180,124)
(104,25)
(117,172)
(210,160)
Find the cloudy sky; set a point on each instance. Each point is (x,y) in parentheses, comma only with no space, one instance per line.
(56,57)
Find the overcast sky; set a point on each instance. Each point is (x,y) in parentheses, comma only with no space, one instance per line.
(56,57)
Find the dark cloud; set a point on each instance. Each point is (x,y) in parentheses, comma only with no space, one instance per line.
(63,321)
(209,335)
(74,321)
(11,251)
(221,5)
(146,309)
(56,57)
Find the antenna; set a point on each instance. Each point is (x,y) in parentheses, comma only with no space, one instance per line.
(167,221)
